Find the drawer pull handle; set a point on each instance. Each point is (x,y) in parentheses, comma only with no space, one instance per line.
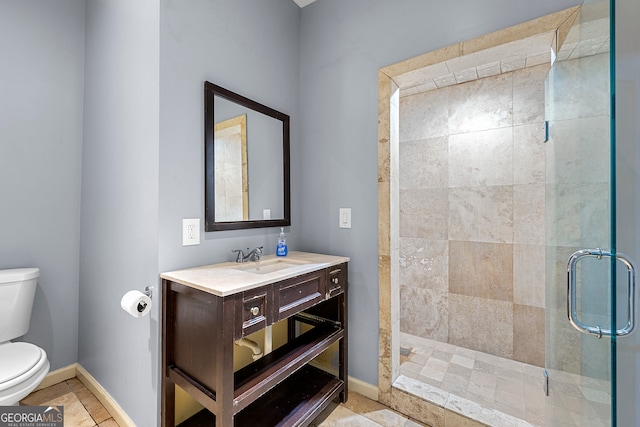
(336,271)
(334,290)
(255,311)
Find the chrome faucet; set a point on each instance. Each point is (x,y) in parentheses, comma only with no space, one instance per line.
(254,255)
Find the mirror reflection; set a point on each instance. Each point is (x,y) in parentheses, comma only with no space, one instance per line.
(230,169)
(246,162)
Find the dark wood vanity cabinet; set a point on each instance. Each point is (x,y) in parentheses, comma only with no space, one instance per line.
(280,389)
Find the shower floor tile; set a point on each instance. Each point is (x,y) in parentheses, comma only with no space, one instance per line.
(505,385)
(491,381)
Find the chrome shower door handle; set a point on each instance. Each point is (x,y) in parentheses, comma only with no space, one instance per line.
(572,309)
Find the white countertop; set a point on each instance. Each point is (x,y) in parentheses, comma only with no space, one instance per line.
(229,278)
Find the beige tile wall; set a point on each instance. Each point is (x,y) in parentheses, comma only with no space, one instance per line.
(472,214)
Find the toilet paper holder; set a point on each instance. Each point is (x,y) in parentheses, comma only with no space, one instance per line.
(148,291)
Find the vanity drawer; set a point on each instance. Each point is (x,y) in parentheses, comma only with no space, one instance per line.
(337,280)
(294,295)
(255,306)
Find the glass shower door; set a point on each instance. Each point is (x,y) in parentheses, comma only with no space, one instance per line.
(581,259)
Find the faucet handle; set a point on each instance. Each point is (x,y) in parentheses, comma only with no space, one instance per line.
(256,253)
(240,256)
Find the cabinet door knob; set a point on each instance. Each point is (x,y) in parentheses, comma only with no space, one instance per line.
(255,311)
(335,280)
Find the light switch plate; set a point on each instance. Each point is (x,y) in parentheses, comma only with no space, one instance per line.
(190,231)
(345,217)
(266,213)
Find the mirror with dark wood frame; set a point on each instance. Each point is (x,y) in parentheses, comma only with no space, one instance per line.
(247,182)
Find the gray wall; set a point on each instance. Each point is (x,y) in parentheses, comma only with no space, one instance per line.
(41,81)
(136,187)
(251,48)
(342,46)
(119,227)
(142,161)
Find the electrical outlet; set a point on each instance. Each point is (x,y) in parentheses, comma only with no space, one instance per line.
(190,231)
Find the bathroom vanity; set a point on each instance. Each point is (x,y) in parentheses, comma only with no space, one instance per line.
(206,309)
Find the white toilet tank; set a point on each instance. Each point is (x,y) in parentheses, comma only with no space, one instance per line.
(17,289)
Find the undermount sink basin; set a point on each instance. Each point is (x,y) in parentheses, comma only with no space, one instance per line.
(264,267)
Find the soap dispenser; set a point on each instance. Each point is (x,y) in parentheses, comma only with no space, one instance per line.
(281,249)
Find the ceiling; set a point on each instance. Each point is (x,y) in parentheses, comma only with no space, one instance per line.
(303,3)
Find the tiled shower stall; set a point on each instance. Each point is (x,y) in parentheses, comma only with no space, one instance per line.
(472,217)
(492,170)
(475,227)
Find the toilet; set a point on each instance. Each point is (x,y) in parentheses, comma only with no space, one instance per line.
(22,365)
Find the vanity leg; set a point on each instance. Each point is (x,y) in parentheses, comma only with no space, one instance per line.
(224,365)
(168,400)
(291,329)
(343,356)
(168,413)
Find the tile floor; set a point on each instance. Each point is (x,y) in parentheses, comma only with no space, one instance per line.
(81,407)
(505,385)
(510,387)
(359,411)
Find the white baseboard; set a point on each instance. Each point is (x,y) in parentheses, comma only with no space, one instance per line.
(367,390)
(358,386)
(104,397)
(57,376)
(75,370)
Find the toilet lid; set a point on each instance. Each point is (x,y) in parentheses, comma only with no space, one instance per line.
(17,358)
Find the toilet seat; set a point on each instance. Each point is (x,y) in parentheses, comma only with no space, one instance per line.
(20,361)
